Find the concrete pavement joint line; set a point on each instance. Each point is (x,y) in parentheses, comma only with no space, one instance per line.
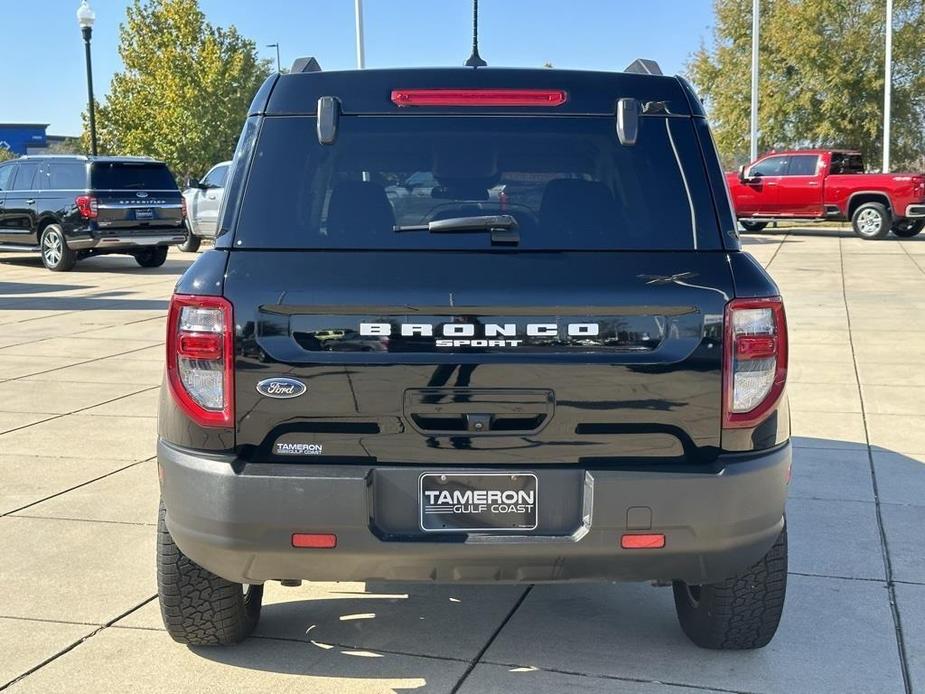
(76,643)
(902,244)
(49,418)
(76,486)
(636,680)
(84,333)
(49,621)
(145,389)
(491,640)
(884,547)
(80,363)
(829,498)
(836,578)
(15,514)
(777,250)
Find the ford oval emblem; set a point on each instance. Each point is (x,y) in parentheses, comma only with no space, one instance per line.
(142,195)
(281,388)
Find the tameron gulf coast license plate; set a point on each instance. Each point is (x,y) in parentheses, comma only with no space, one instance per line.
(467,502)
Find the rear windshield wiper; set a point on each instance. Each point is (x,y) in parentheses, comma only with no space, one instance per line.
(502,227)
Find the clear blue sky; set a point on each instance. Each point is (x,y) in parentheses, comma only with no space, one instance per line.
(43,73)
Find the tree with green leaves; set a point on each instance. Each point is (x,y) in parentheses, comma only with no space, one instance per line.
(6,154)
(821,77)
(185,88)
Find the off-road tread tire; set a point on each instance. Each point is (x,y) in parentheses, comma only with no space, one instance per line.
(742,612)
(753,227)
(152,257)
(198,607)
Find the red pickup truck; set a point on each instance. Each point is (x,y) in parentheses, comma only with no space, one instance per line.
(820,184)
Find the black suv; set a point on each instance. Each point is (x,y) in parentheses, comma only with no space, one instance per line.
(72,207)
(475,325)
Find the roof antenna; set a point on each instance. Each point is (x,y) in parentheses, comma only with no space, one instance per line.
(475,60)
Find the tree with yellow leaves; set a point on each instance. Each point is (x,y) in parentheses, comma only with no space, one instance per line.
(821,81)
(185,88)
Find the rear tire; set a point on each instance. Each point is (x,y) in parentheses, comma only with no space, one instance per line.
(192,242)
(198,607)
(752,226)
(56,256)
(871,221)
(151,257)
(907,228)
(740,613)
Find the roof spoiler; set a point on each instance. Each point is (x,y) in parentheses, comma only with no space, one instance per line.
(644,66)
(308,64)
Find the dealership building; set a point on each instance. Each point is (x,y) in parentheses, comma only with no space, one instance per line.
(27,138)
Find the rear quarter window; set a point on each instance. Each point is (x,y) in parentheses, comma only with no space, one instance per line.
(132,176)
(567,181)
(66,176)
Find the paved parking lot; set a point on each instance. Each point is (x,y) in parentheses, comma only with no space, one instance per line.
(80,365)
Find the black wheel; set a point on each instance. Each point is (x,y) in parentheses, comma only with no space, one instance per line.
(192,243)
(198,607)
(152,257)
(740,613)
(908,228)
(56,255)
(752,226)
(871,221)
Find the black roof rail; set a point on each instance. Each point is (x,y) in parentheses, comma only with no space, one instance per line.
(644,66)
(308,64)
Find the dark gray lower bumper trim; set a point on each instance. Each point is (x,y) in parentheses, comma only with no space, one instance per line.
(114,242)
(237,521)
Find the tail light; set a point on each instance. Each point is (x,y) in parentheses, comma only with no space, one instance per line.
(200,358)
(478,97)
(755,360)
(87,206)
(183,207)
(919,187)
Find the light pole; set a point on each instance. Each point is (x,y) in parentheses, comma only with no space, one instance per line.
(753,129)
(276,46)
(85,18)
(888,86)
(358,17)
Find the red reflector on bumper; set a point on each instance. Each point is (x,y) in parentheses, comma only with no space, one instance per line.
(314,540)
(650,541)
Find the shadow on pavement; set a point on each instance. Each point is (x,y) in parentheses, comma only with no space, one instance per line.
(10,288)
(79,303)
(106,263)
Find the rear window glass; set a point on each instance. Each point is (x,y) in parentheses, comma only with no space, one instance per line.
(847,163)
(567,181)
(132,176)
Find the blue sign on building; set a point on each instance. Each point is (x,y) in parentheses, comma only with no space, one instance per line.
(23,138)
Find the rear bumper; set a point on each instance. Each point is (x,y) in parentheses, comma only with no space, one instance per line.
(916,211)
(237,520)
(91,239)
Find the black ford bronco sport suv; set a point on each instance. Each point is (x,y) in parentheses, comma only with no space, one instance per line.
(73,207)
(487,325)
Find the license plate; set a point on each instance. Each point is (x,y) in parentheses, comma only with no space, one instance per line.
(144,214)
(467,502)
